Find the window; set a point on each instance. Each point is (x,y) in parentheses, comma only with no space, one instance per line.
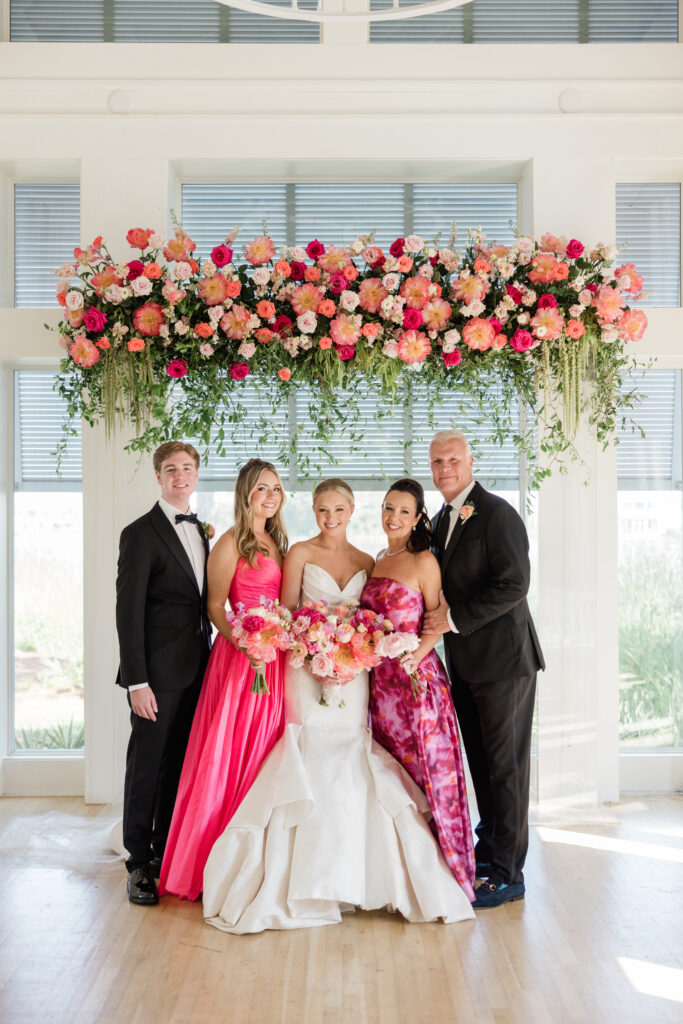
(47,557)
(536,21)
(46,231)
(649,228)
(158,21)
(650,535)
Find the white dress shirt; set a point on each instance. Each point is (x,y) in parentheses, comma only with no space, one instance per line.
(193,545)
(456,505)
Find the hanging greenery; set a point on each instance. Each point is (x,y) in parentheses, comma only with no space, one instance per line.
(170,346)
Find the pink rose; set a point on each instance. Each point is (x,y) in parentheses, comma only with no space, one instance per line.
(412,319)
(221,255)
(297,271)
(135,268)
(521,340)
(574,249)
(514,293)
(177,368)
(346,352)
(337,283)
(322,665)
(452,358)
(547,301)
(238,371)
(393,645)
(253,623)
(95,319)
(396,248)
(315,249)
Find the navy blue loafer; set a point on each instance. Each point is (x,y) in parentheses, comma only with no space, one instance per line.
(494,892)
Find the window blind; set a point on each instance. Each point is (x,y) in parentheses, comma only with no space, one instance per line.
(649,228)
(38,416)
(46,231)
(535,21)
(142,21)
(653,461)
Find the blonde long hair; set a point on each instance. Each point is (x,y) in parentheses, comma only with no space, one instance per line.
(245,539)
(334,483)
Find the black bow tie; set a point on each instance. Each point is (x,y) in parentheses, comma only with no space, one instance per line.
(189,518)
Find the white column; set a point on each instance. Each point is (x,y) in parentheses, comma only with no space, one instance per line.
(116,194)
(578,694)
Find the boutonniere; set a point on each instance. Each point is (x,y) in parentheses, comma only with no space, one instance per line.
(208,530)
(466,512)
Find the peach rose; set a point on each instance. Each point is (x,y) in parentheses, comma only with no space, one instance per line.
(350,272)
(283,268)
(325,342)
(233,288)
(265,309)
(136,345)
(312,274)
(575,329)
(327,308)
(153,271)
(204,330)
(284,373)
(263,335)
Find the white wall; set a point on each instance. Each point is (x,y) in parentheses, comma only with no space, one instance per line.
(336,113)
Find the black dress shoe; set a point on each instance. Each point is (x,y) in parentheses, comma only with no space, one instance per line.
(494,892)
(142,889)
(155,866)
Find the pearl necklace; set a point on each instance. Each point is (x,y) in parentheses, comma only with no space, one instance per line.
(388,554)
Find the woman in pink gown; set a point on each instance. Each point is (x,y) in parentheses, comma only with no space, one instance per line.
(419,731)
(233,729)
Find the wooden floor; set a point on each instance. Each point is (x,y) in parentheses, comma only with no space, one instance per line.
(598,939)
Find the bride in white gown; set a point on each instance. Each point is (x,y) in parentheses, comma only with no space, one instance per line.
(332,821)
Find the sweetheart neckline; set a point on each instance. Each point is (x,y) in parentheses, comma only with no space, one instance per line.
(330,576)
(390,579)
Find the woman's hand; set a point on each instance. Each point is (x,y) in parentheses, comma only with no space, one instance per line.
(410,662)
(258,666)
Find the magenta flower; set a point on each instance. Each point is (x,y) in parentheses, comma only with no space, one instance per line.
(521,340)
(135,269)
(547,301)
(434,259)
(253,623)
(452,358)
(315,249)
(94,319)
(338,283)
(282,325)
(514,293)
(177,368)
(345,352)
(221,255)
(496,324)
(238,371)
(396,248)
(574,249)
(297,271)
(412,318)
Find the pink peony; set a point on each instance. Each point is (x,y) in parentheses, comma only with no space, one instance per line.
(253,623)
(371,294)
(469,289)
(414,347)
(452,358)
(306,298)
(83,352)
(345,330)
(139,238)
(235,322)
(213,290)
(478,334)
(334,259)
(609,303)
(148,319)
(436,314)
(415,290)
(629,279)
(631,324)
(544,268)
(135,269)
(94,319)
(221,255)
(547,323)
(238,371)
(260,250)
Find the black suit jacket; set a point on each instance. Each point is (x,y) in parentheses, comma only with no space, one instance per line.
(161,620)
(485,573)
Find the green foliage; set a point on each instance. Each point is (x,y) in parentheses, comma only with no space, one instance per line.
(63,736)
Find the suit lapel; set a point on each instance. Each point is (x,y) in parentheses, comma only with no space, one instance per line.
(162,525)
(459,527)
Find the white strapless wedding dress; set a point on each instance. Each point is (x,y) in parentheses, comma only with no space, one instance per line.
(332,821)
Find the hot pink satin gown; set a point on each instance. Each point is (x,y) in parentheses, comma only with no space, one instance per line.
(232,732)
(422,732)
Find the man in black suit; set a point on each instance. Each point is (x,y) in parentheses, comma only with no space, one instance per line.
(492,656)
(164,639)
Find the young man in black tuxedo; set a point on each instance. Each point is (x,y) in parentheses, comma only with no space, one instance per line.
(164,640)
(492,656)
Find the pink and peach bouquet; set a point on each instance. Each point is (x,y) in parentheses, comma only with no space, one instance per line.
(261,632)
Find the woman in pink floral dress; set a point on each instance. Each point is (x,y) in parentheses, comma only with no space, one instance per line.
(420,731)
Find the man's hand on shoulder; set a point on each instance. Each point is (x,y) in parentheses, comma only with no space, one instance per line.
(144,703)
(436,621)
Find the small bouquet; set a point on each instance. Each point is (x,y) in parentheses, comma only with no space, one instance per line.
(395,645)
(261,632)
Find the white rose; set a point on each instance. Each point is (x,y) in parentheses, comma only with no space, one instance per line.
(164,330)
(208,268)
(523,318)
(141,286)
(349,300)
(524,244)
(576,311)
(356,246)
(126,293)
(387,306)
(261,276)
(390,264)
(391,281)
(74,300)
(156,241)
(609,252)
(299,254)
(307,322)
(529,297)
(426,270)
(431,251)
(183,270)
(215,313)
(476,308)
(390,348)
(247,349)
(122,270)
(540,332)
(206,349)
(306,342)
(181,328)
(413,243)
(113,294)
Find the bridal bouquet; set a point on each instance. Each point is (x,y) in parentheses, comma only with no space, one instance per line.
(261,632)
(337,642)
